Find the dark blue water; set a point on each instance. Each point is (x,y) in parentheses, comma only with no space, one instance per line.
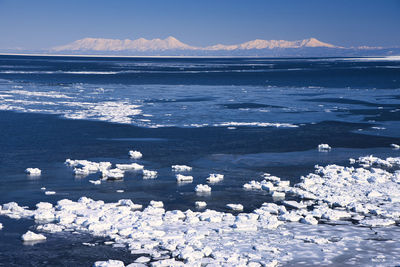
(238,117)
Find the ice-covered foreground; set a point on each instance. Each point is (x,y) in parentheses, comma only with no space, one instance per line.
(344,199)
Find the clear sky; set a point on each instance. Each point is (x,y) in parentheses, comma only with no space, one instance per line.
(36,24)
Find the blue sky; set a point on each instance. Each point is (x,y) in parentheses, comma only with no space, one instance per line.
(36,24)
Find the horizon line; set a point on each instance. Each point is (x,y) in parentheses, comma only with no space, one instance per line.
(127,56)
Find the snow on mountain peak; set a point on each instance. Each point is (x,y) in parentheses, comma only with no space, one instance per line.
(312,42)
(141,44)
(171,43)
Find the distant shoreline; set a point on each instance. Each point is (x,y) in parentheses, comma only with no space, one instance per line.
(397,57)
(121,56)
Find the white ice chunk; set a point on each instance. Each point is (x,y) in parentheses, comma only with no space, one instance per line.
(113,174)
(324,148)
(200,204)
(295,204)
(31,236)
(33,171)
(377,222)
(129,167)
(86,167)
(49,192)
(181,168)
(149,174)
(184,178)
(235,207)
(109,263)
(44,205)
(51,228)
(215,178)
(202,188)
(252,185)
(156,204)
(395,146)
(142,259)
(278,195)
(135,154)
(309,220)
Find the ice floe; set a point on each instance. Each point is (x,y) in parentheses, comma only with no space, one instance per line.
(235,207)
(31,236)
(109,263)
(202,188)
(181,168)
(395,146)
(33,171)
(324,148)
(86,167)
(129,167)
(271,184)
(147,174)
(200,204)
(183,178)
(215,178)
(135,154)
(112,174)
(257,124)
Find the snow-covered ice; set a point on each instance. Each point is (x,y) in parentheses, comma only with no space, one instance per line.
(324,148)
(215,178)
(235,207)
(202,188)
(86,167)
(258,124)
(395,146)
(33,171)
(200,204)
(181,168)
(31,236)
(129,167)
(112,174)
(183,178)
(109,263)
(147,174)
(135,154)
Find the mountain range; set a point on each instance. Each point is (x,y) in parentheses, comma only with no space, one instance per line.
(171,43)
(171,46)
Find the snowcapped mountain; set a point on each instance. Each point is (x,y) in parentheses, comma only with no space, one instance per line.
(171,43)
(141,44)
(271,44)
(171,46)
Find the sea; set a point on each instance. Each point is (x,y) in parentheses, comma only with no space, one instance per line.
(240,117)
